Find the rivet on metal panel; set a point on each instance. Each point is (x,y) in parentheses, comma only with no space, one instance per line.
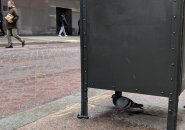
(173,49)
(136,89)
(85,46)
(85,83)
(174,33)
(171,93)
(170,110)
(174,17)
(171,100)
(175,0)
(171,79)
(162,92)
(85,71)
(84,32)
(84,19)
(173,64)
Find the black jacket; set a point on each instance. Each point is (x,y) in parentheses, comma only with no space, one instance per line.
(63,20)
(1,18)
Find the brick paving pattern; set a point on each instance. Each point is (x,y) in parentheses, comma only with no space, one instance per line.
(36,75)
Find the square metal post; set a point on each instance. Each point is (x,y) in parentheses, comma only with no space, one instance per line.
(84,77)
(118,93)
(172,111)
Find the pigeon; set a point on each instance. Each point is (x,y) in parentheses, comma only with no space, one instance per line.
(124,103)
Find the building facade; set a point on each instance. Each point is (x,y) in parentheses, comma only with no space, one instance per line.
(42,17)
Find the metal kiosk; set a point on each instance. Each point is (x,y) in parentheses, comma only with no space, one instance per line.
(133,46)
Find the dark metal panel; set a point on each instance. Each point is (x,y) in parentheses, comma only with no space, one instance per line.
(129,46)
(183,47)
(134,46)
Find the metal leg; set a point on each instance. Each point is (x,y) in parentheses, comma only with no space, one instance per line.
(118,93)
(84,104)
(172,112)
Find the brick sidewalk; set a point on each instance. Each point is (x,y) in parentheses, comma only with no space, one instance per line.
(37,74)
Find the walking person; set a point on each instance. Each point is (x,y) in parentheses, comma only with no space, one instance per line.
(63,23)
(11,23)
(79,27)
(1,24)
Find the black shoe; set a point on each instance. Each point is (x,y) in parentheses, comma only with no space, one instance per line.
(10,46)
(23,43)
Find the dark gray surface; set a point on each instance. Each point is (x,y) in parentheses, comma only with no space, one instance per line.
(130,44)
(133,46)
(183,48)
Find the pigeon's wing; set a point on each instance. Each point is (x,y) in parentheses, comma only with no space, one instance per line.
(136,105)
(122,103)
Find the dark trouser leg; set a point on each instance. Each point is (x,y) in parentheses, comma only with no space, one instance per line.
(2,31)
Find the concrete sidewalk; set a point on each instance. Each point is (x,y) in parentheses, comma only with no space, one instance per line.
(103,115)
(41,40)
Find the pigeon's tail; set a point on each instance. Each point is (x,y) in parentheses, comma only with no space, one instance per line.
(136,105)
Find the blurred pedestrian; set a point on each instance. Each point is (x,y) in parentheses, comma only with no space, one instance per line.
(63,23)
(1,24)
(11,23)
(79,27)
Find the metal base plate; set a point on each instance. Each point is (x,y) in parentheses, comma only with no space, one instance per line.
(82,117)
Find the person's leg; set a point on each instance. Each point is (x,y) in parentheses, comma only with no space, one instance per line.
(2,30)
(64,32)
(79,32)
(61,30)
(15,34)
(9,31)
